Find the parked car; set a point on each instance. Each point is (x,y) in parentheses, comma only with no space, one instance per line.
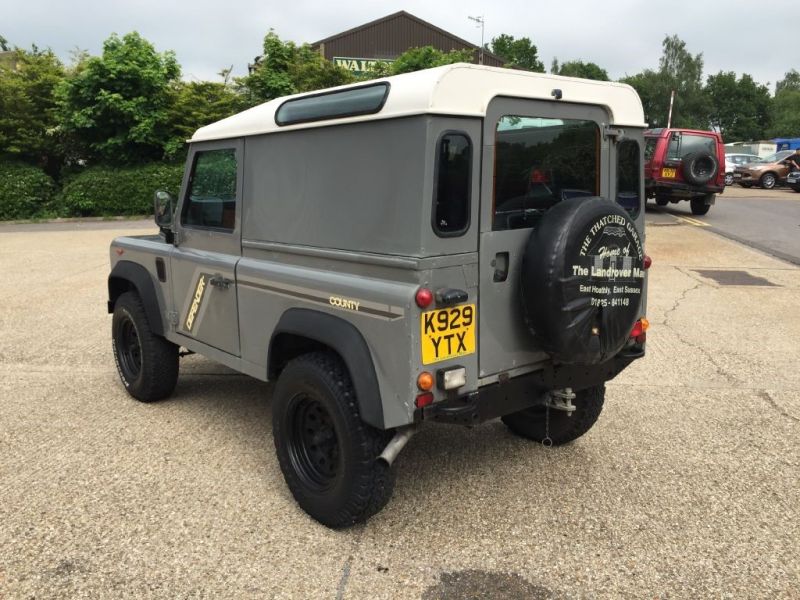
(768,173)
(793,181)
(418,248)
(684,164)
(737,160)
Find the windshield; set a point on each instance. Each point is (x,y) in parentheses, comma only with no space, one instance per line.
(778,156)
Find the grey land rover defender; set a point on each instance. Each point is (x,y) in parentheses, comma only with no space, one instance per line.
(455,245)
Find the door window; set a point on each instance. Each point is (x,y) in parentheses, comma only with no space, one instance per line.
(538,163)
(211,200)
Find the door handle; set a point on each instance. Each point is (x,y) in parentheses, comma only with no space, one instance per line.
(220,282)
(500,264)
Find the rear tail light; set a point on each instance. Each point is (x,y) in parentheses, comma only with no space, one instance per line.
(647,261)
(425,381)
(424,297)
(424,400)
(639,332)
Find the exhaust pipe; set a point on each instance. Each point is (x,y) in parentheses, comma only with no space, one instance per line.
(396,444)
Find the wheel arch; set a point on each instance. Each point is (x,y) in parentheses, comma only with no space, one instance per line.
(301,330)
(129,276)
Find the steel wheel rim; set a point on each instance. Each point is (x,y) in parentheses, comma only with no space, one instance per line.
(129,349)
(313,443)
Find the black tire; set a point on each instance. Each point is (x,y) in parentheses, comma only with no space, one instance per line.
(699,168)
(531,423)
(327,454)
(582,279)
(147,363)
(746,186)
(796,188)
(699,206)
(662,201)
(768,181)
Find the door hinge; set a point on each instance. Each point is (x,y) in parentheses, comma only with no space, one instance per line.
(176,238)
(613,132)
(173,318)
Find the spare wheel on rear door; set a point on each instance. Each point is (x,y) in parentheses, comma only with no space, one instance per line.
(699,168)
(582,280)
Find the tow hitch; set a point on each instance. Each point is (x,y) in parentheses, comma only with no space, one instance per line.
(562,400)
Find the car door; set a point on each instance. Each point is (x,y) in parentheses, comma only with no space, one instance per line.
(208,246)
(535,154)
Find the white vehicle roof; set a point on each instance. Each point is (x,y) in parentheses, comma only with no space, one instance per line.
(459,89)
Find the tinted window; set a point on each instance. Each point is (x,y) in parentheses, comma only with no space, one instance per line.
(539,162)
(683,144)
(212,190)
(628,177)
(331,105)
(451,199)
(650,148)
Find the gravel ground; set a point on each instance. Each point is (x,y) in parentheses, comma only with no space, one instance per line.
(687,487)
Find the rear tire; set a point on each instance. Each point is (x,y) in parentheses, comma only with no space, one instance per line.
(728,178)
(147,363)
(328,455)
(531,423)
(746,186)
(699,206)
(662,201)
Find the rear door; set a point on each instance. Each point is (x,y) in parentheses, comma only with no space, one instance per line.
(209,246)
(535,154)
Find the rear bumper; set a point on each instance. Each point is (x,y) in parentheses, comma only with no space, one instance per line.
(498,399)
(658,187)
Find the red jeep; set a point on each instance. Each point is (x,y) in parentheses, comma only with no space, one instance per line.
(684,164)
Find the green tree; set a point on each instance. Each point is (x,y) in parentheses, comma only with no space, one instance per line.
(196,104)
(286,68)
(4,44)
(517,52)
(578,68)
(785,114)
(740,109)
(427,57)
(790,81)
(116,107)
(678,71)
(28,116)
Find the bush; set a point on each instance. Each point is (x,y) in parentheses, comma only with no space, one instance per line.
(25,191)
(113,191)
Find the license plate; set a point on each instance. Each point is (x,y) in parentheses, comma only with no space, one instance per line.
(669,173)
(447,333)
(737,175)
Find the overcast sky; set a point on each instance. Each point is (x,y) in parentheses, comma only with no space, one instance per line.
(622,36)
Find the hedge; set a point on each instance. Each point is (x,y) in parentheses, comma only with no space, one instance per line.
(25,192)
(111,191)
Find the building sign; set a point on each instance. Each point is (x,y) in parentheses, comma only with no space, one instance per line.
(358,65)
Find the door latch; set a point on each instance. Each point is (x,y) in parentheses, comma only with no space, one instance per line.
(221,282)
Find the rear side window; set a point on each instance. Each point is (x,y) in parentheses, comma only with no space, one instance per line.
(211,200)
(682,145)
(628,177)
(364,100)
(650,149)
(451,200)
(540,162)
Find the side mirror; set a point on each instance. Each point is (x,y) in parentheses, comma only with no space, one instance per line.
(164,205)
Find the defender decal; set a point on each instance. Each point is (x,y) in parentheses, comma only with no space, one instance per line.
(197,301)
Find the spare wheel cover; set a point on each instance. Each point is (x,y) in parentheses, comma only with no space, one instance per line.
(582,280)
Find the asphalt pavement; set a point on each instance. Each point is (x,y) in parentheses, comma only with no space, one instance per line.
(687,487)
(768,220)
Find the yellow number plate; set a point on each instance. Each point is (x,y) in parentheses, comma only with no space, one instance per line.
(447,333)
(669,173)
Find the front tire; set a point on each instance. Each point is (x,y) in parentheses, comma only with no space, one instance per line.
(768,181)
(328,455)
(147,363)
(662,201)
(531,423)
(728,178)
